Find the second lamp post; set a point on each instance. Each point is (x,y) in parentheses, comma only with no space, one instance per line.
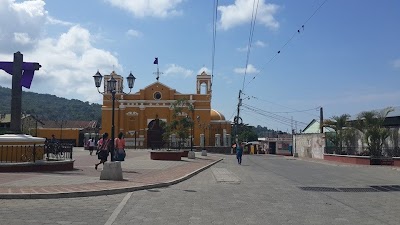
(111,88)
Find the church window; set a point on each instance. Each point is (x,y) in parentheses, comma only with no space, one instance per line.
(157,95)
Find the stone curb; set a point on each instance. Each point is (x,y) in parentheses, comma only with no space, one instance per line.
(104,192)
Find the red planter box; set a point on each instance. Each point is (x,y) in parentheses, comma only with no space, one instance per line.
(165,155)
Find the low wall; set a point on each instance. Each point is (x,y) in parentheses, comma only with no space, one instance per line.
(212,149)
(360,160)
(396,161)
(38,166)
(309,145)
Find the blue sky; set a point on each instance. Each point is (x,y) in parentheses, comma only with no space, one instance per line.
(346,59)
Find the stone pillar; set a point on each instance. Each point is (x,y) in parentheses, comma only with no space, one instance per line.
(16,93)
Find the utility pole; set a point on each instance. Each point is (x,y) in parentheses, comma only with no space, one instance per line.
(321,119)
(237,117)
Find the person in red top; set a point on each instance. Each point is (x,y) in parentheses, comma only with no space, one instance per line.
(120,147)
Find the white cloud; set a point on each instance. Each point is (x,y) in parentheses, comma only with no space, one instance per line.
(244,49)
(68,65)
(175,70)
(396,63)
(241,13)
(133,33)
(250,69)
(27,19)
(260,44)
(22,38)
(54,21)
(153,8)
(257,44)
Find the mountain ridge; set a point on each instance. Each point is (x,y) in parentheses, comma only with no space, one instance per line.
(51,107)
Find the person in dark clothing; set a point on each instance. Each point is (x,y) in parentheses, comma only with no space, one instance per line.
(239,153)
(103,150)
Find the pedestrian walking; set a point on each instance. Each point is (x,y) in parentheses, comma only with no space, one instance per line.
(91,145)
(103,150)
(120,147)
(239,153)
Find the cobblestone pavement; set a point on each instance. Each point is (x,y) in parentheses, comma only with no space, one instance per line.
(271,190)
(138,170)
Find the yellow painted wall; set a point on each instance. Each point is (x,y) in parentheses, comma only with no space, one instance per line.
(67,133)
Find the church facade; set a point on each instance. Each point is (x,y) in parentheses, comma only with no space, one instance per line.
(135,113)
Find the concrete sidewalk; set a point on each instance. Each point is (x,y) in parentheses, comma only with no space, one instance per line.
(139,171)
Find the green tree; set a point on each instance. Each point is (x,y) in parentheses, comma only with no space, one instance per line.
(181,122)
(337,123)
(370,123)
(247,133)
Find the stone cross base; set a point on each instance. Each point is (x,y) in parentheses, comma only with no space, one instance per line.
(111,171)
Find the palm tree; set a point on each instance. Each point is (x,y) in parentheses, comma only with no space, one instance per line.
(370,123)
(337,123)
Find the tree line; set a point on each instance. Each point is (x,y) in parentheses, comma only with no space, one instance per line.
(51,107)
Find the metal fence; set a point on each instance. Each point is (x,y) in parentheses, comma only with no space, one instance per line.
(32,153)
(58,151)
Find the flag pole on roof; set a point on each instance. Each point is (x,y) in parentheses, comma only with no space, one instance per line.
(158,73)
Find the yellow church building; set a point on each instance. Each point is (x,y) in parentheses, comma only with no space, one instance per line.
(136,113)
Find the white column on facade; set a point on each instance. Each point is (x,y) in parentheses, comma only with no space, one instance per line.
(225,141)
(228,139)
(202,140)
(217,140)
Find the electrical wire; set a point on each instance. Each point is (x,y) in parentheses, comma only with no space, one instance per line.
(269,114)
(273,119)
(215,14)
(294,110)
(260,119)
(252,25)
(298,31)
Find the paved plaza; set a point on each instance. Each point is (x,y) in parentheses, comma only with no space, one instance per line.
(139,172)
(265,189)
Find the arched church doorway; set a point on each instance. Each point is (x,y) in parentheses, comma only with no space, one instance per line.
(154,135)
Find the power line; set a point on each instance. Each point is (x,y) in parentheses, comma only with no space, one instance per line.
(294,110)
(270,114)
(252,25)
(298,31)
(215,14)
(262,119)
(274,119)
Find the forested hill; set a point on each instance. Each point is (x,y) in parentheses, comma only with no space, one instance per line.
(51,107)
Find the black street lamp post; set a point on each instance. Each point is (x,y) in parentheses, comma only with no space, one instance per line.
(111,88)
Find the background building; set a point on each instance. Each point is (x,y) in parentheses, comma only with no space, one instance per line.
(135,113)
